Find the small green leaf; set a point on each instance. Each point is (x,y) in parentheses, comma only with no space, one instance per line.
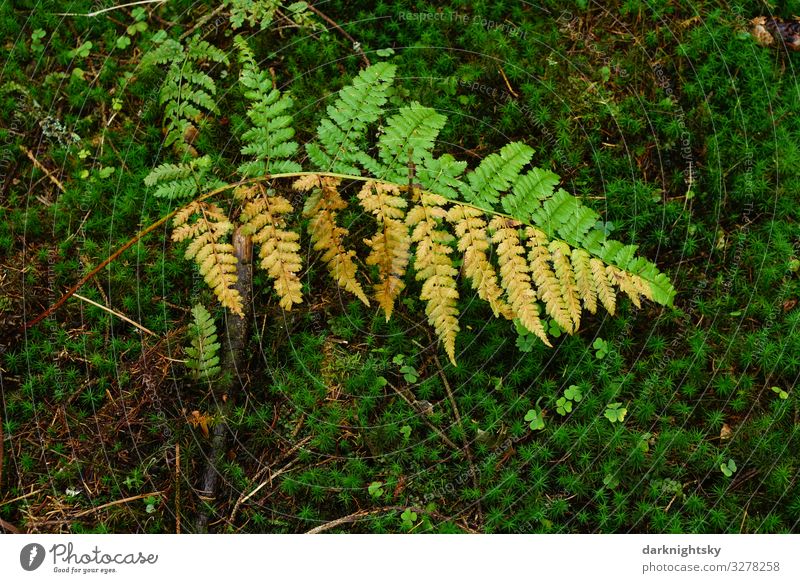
(573,393)
(384,52)
(536,419)
(615,412)
(375,489)
(106,171)
(123,42)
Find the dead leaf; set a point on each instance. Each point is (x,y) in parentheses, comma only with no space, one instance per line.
(726,432)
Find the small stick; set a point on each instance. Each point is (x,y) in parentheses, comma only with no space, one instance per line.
(265,469)
(329,20)
(113,313)
(115,503)
(503,73)
(7,526)
(104,10)
(202,21)
(361,513)
(41,167)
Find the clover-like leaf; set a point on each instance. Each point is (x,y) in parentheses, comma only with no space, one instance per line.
(573,393)
(563,406)
(375,489)
(536,419)
(615,412)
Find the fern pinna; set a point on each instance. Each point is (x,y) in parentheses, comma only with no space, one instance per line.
(529,249)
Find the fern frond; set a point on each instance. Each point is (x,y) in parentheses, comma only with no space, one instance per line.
(264,217)
(413,130)
(441,175)
(583,279)
(341,134)
(560,255)
(321,209)
(603,285)
(389,247)
(548,286)
(624,281)
(473,242)
(495,174)
(202,360)
(515,275)
(214,257)
(528,192)
(434,268)
(187,92)
(184,180)
(269,140)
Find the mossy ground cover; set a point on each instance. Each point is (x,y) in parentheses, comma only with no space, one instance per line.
(663,116)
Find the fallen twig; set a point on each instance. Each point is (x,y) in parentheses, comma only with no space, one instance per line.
(117,314)
(109,9)
(362,513)
(41,167)
(115,503)
(262,471)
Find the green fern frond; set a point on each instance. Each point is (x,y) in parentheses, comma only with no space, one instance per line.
(341,135)
(203,359)
(412,131)
(496,174)
(269,140)
(182,181)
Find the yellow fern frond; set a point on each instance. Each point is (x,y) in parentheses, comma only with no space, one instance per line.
(263,217)
(515,275)
(642,286)
(389,247)
(583,279)
(560,255)
(548,286)
(473,242)
(435,268)
(624,281)
(321,209)
(602,284)
(307,182)
(216,259)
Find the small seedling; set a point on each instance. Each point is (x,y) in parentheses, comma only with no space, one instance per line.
(535,417)
(525,339)
(405,431)
(553,329)
(563,406)
(601,348)
(36,36)
(409,518)
(409,373)
(780,392)
(729,468)
(150,504)
(82,51)
(573,393)
(611,481)
(615,412)
(375,489)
